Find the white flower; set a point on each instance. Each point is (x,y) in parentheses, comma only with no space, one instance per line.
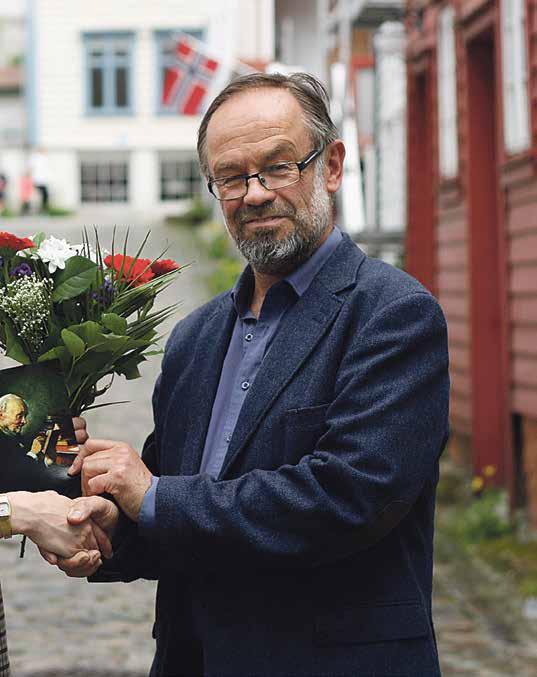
(55,252)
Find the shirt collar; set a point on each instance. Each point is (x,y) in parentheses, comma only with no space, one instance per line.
(300,279)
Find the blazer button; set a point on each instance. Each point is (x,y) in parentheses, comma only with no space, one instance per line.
(245,385)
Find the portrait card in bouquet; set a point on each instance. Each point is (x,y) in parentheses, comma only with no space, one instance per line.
(37,439)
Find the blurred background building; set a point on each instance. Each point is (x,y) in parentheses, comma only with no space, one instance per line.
(94,109)
(472,219)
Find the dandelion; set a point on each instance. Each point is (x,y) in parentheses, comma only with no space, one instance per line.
(489,471)
(27,303)
(477,484)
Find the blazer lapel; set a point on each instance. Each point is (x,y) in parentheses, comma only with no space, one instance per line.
(211,348)
(301,330)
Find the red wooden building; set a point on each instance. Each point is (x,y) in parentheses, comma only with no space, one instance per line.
(472,215)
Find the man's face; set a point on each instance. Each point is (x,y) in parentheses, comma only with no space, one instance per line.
(275,230)
(14,417)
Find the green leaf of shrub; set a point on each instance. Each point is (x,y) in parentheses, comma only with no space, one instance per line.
(77,276)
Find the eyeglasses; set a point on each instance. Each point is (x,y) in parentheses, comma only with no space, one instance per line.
(276,176)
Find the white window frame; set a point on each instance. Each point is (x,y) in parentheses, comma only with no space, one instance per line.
(448,142)
(516,118)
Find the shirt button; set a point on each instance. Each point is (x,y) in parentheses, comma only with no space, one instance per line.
(228,438)
(245,385)
(248,337)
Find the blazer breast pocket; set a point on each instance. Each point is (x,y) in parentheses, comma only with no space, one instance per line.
(302,430)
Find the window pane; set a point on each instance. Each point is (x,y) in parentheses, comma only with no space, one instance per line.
(96,95)
(121,83)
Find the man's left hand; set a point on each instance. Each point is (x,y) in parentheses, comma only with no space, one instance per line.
(113,468)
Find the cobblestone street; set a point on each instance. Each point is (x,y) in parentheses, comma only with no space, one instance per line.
(61,627)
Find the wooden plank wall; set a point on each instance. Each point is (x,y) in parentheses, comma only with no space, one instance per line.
(520,186)
(453,272)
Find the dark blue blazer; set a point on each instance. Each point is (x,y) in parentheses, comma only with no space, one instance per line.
(311,554)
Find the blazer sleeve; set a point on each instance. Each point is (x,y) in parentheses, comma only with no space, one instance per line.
(133,558)
(387,426)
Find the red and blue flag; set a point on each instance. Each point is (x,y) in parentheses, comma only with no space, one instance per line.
(187,77)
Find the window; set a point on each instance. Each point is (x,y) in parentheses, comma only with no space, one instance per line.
(447,96)
(166,41)
(180,176)
(515,76)
(108,73)
(104,178)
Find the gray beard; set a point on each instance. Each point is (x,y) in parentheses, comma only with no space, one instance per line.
(272,256)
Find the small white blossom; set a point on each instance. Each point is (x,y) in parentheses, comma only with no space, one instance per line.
(55,252)
(27,301)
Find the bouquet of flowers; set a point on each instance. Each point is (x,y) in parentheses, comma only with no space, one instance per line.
(86,312)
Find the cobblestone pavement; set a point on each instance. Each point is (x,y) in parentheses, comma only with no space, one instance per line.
(59,627)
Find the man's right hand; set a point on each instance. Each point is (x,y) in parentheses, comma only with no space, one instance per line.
(42,516)
(100,512)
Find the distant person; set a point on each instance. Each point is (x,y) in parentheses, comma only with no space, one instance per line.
(3,187)
(26,190)
(40,176)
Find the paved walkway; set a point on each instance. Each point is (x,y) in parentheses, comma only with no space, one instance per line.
(61,627)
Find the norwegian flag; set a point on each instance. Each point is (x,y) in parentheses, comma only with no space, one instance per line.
(188,75)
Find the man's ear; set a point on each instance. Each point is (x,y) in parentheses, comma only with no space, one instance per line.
(335,155)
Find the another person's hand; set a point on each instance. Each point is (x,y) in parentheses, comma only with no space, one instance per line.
(99,511)
(116,469)
(42,516)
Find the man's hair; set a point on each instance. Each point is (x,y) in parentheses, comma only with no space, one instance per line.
(6,399)
(307,90)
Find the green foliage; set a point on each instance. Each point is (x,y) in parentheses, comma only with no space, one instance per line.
(56,211)
(76,278)
(485,518)
(224,275)
(195,215)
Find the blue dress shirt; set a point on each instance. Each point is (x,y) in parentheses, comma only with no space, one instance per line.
(250,341)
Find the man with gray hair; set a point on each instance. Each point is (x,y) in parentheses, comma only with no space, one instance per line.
(285,498)
(13,413)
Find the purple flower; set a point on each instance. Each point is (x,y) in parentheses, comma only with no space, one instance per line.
(22,270)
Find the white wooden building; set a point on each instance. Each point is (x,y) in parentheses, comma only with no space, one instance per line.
(93,78)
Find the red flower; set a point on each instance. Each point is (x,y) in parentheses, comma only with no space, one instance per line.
(136,271)
(163,266)
(14,243)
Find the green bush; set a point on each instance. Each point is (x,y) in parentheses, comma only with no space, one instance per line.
(58,211)
(195,215)
(224,275)
(485,518)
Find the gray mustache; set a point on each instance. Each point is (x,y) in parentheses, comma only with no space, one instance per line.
(250,214)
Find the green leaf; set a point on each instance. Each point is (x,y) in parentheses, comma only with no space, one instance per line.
(74,343)
(77,276)
(90,332)
(14,347)
(111,343)
(38,239)
(114,322)
(58,353)
(129,367)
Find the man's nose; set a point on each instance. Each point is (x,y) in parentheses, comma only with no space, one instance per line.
(257,194)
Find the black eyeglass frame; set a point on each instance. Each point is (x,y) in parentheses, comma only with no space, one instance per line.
(259,175)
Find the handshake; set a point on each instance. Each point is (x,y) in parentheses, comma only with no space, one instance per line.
(75,534)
